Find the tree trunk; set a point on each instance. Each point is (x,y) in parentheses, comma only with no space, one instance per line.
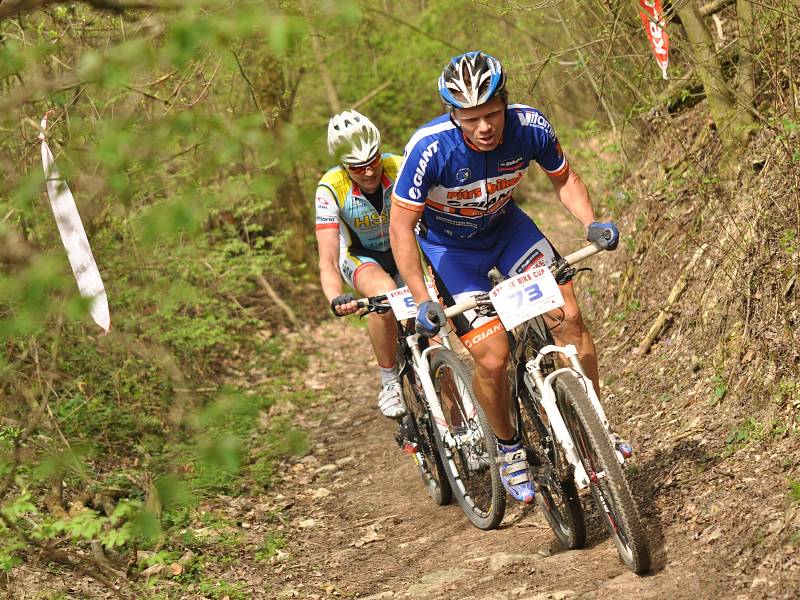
(319,55)
(744,80)
(732,123)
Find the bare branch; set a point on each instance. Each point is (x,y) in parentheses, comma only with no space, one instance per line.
(714,7)
(10,8)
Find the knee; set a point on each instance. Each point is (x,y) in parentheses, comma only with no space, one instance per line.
(386,319)
(570,322)
(491,365)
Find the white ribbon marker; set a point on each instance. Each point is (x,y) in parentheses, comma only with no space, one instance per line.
(90,284)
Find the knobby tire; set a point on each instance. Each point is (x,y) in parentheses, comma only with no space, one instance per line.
(610,491)
(431,471)
(480,494)
(558,499)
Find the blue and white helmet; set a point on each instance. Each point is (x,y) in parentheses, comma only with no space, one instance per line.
(471,79)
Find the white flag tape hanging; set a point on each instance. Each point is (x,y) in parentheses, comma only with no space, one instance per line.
(74,237)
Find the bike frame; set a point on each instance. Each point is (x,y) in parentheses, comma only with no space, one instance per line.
(422,367)
(546,388)
(546,385)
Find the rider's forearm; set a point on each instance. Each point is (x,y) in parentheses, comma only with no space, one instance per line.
(331,281)
(407,258)
(575,197)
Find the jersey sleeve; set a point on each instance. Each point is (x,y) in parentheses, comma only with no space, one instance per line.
(327,209)
(545,148)
(416,175)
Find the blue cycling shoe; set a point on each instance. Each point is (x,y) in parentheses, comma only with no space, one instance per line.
(624,447)
(514,472)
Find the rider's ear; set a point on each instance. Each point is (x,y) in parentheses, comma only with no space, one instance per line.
(454,115)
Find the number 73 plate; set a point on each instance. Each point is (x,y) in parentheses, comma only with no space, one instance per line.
(519,299)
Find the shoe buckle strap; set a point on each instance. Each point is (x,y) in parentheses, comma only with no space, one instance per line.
(518,479)
(514,467)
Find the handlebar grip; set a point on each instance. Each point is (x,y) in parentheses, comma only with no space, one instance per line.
(583,253)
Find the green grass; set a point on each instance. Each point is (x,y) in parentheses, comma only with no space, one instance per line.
(794,491)
(270,546)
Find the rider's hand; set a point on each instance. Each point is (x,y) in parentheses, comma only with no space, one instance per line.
(430,317)
(605,235)
(344,304)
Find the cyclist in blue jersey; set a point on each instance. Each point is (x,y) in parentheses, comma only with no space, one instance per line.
(455,188)
(353,202)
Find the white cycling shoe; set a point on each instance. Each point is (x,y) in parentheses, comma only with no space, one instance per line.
(390,400)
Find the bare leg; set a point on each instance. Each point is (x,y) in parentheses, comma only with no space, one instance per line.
(491,384)
(382,329)
(567,327)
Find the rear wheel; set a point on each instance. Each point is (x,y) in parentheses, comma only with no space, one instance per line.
(469,455)
(607,481)
(429,463)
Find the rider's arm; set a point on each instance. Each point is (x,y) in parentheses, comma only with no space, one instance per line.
(327,229)
(573,195)
(329,276)
(404,247)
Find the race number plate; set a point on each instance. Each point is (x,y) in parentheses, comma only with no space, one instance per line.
(403,304)
(525,296)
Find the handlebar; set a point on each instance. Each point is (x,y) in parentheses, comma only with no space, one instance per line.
(376,304)
(380,305)
(558,266)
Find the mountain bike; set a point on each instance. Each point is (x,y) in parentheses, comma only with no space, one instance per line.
(564,428)
(565,431)
(445,430)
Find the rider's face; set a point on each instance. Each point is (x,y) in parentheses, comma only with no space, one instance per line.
(367,177)
(483,125)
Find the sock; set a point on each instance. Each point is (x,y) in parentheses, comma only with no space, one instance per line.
(388,374)
(515,439)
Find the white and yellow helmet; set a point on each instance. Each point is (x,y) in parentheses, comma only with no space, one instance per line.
(353,137)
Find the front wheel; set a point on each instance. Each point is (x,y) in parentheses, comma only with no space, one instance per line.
(431,471)
(468,451)
(607,481)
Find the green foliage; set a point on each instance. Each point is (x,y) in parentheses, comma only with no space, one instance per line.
(631,307)
(720,388)
(788,393)
(751,430)
(747,431)
(788,241)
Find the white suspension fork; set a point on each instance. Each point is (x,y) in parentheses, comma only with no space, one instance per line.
(422,367)
(546,387)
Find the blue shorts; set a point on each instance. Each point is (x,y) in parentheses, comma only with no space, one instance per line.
(514,246)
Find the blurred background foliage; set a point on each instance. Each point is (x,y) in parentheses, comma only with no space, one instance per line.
(192,134)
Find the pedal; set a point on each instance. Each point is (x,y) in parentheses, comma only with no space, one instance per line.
(410,447)
(406,435)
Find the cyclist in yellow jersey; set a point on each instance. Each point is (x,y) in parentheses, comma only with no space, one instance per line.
(353,201)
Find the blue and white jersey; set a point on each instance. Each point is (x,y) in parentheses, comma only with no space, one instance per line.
(463,192)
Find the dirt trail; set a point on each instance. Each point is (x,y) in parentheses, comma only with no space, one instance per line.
(361,525)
